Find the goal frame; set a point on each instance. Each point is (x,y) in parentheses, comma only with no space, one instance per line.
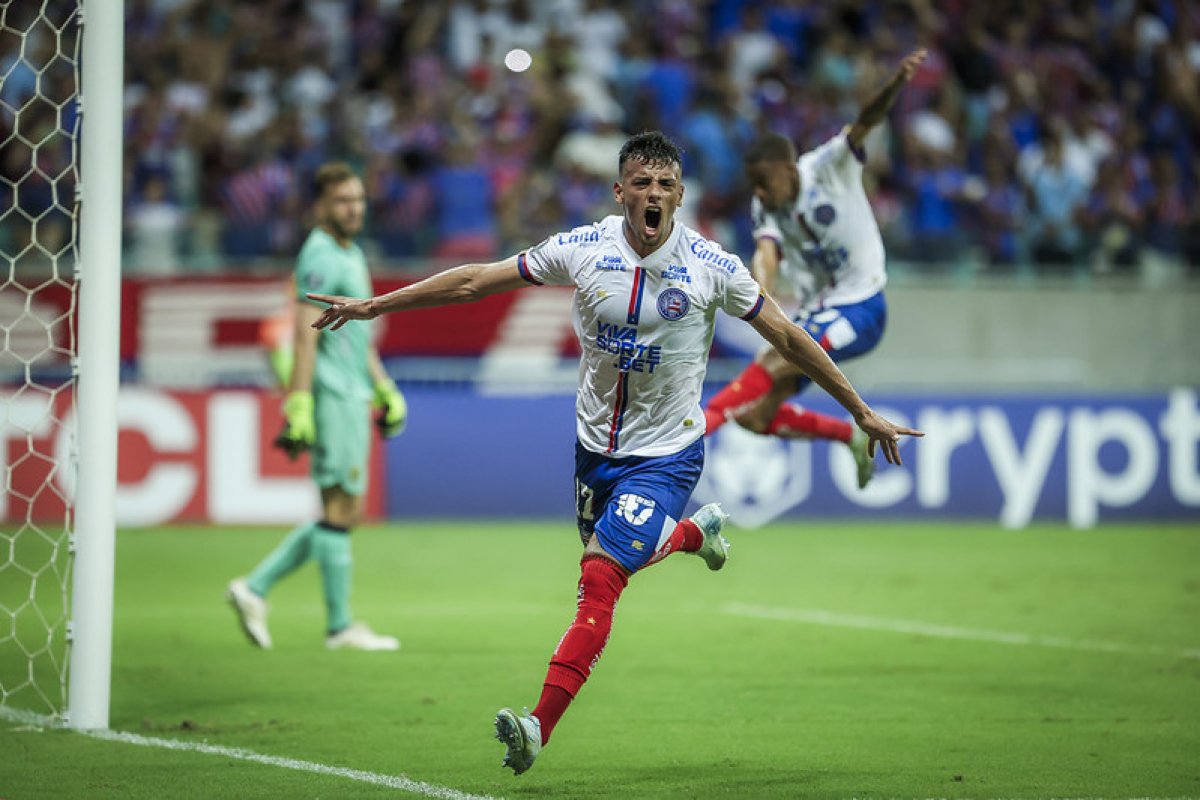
(98,277)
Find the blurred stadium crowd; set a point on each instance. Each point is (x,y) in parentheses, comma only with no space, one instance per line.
(1062,132)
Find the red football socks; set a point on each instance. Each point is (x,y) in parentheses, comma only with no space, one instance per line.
(790,422)
(743,390)
(550,708)
(793,422)
(600,584)
(686,537)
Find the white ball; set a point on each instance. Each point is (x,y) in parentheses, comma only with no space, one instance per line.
(518,60)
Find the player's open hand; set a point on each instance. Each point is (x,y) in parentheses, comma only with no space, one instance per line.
(886,435)
(911,63)
(341,310)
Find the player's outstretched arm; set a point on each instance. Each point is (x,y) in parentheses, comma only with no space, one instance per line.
(799,348)
(458,285)
(877,108)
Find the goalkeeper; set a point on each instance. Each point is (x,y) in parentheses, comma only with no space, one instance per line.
(334,376)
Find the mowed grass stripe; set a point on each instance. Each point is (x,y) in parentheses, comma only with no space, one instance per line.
(859,622)
(390,781)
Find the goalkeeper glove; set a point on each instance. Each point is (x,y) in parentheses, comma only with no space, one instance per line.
(393,409)
(300,427)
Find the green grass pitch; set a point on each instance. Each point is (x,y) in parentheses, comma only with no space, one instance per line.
(828,660)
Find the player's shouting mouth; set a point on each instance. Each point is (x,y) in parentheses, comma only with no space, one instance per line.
(653,220)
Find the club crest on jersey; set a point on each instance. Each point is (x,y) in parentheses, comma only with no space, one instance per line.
(634,508)
(824,214)
(673,304)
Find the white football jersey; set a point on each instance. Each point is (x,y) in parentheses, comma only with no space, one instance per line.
(645,326)
(830,242)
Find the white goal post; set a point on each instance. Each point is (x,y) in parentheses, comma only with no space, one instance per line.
(61,108)
(99,281)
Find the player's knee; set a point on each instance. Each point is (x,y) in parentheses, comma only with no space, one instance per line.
(344,519)
(753,421)
(776,365)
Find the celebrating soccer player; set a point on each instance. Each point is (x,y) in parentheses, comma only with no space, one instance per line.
(819,245)
(334,376)
(647,289)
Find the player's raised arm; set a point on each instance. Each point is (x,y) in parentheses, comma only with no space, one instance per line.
(877,108)
(799,348)
(764,264)
(462,284)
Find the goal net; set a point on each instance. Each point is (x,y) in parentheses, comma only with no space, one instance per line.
(39,255)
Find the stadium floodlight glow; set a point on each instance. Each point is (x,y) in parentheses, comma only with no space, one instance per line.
(518,60)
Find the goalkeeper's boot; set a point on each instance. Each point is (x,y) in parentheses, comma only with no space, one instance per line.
(522,735)
(251,610)
(357,636)
(862,458)
(715,549)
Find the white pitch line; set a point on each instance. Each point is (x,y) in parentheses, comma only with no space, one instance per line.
(834,619)
(391,781)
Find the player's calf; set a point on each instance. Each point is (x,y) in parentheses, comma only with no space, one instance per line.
(761,414)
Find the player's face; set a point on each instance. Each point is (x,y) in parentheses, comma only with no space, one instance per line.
(343,208)
(649,194)
(776,184)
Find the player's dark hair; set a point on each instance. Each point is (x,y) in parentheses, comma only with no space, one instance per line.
(771,147)
(652,148)
(331,173)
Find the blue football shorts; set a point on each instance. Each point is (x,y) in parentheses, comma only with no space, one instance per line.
(632,504)
(848,331)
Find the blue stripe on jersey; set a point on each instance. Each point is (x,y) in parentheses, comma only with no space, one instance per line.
(752,313)
(635,297)
(523,268)
(618,417)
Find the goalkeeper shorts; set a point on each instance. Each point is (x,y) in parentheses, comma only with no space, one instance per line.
(343,445)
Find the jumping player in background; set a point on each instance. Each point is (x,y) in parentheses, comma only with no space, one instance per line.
(647,290)
(332,380)
(817,243)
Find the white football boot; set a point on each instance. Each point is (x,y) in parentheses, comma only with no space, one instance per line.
(357,636)
(522,736)
(866,465)
(251,611)
(710,519)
